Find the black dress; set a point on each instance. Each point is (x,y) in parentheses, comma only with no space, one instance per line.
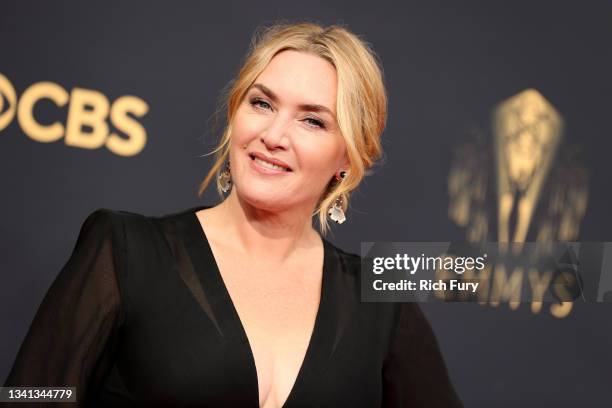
(139,315)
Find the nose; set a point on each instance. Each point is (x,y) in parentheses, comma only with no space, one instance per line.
(276,134)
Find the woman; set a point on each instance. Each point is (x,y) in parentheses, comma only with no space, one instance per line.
(244,303)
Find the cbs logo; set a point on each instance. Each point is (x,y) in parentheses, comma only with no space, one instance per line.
(86,108)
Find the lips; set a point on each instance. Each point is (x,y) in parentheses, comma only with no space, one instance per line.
(270,160)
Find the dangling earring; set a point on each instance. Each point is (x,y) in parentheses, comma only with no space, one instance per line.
(336,213)
(225,178)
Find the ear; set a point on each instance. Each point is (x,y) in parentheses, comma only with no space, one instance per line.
(346,165)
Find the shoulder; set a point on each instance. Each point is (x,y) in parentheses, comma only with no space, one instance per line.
(99,217)
(99,223)
(105,219)
(138,234)
(127,220)
(118,226)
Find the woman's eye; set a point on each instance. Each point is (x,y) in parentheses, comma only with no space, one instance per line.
(260,103)
(315,122)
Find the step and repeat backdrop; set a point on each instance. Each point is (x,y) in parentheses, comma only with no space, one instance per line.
(498,130)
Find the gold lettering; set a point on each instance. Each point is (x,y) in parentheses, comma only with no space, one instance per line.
(538,287)
(119,117)
(95,118)
(506,289)
(561,310)
(25,111)
(7,90)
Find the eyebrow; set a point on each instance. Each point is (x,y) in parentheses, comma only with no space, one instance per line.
(306,107)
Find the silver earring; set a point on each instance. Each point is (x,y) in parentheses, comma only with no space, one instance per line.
(225,178)
(336,213)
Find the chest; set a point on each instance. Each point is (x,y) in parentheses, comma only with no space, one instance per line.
(195,338)
(277,308)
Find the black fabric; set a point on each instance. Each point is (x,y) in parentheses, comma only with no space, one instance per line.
(139,315)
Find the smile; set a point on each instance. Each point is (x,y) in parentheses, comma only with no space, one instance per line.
(269,167)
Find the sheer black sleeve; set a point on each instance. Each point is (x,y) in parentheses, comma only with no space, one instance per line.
(71,339)
(414,373)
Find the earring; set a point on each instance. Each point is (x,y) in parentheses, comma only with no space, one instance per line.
(225,178)
(341,175)
(336,213)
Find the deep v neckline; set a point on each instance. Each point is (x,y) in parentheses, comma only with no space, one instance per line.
(232,325)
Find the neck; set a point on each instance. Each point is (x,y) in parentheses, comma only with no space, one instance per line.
(280,234)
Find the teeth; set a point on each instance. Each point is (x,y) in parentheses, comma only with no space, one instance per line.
(269,165)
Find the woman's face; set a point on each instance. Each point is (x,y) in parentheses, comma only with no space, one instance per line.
(288,116)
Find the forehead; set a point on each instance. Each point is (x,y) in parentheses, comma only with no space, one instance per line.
(301,78)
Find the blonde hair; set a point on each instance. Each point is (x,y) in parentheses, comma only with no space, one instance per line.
(361,107)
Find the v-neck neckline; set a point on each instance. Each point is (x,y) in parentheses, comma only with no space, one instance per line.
(317,350)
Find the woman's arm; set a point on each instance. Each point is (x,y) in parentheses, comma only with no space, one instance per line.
(414,373)
(71,339)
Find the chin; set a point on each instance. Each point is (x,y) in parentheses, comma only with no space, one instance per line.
(264,200)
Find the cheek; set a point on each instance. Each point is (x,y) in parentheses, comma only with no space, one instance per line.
(316,154)
(246,127)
